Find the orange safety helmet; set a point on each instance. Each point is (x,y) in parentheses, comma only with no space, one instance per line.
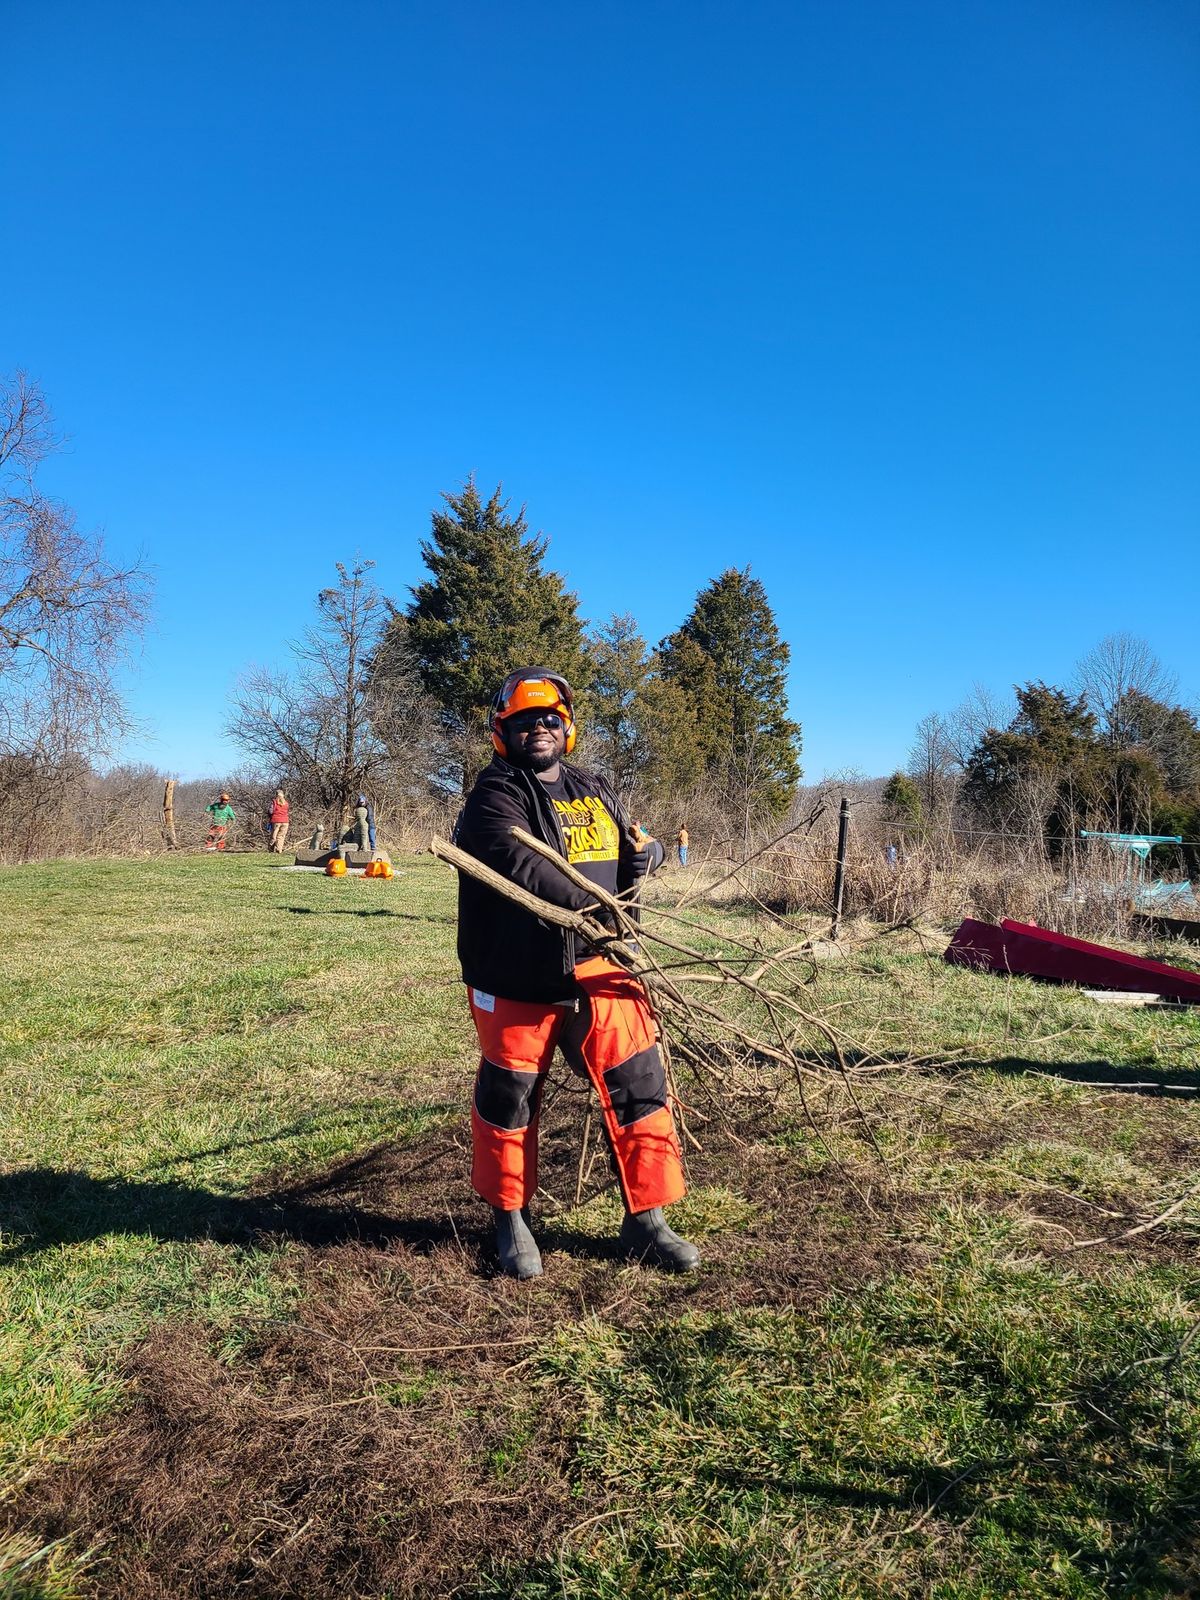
(532,689)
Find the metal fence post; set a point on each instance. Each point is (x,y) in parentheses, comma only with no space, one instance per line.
(839,880)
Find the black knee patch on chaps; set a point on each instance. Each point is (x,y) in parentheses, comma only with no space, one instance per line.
(507,1099)
(637,1087)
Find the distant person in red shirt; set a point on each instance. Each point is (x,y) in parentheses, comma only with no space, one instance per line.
(279,823)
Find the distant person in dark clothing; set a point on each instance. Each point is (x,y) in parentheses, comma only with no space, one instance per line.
(358,834)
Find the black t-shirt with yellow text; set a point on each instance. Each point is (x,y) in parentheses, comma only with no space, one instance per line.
(591,836)
(503,948)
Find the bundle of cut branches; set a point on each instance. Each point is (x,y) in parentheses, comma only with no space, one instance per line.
(736,1020)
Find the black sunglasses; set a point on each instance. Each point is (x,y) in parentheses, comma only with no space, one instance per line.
(527,721)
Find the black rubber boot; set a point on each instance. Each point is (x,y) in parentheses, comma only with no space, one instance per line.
(645,1237)
(515,1245)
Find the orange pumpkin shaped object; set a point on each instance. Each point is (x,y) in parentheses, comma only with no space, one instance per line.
(335,867)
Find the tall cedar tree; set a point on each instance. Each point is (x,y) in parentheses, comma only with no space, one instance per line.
(487,607)
(729,658)
(902,801)
(620,667)
(641,730)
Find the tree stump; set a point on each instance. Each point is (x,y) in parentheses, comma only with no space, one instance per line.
(168,816)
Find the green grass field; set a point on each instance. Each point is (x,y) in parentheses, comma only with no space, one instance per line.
(250,1342)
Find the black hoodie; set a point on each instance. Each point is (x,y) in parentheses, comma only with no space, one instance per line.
(503,949)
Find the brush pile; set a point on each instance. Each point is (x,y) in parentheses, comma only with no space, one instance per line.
(738,1026)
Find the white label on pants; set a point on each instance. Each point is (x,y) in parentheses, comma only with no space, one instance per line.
(485,1002)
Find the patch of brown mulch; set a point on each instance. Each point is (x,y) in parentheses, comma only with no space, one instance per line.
(376,1446)
(389,1440)
(1073,1220)
(1163,1145)
(1168,1130)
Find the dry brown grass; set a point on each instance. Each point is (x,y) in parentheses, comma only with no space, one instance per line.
(941,884)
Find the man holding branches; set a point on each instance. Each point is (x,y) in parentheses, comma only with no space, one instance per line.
(533,987)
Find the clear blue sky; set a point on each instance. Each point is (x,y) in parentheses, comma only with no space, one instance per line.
(897,302)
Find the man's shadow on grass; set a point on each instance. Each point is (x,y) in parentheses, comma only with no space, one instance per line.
(42,1207)
(46,1206)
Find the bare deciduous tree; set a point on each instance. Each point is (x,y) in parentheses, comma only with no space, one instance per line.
(931,763)
(67,618)
(67,614)
(1119,666)
(972,718)
(332,727)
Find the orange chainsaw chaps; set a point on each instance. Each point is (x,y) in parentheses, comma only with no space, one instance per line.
(610,1037)
(648,1161)
(503,1163)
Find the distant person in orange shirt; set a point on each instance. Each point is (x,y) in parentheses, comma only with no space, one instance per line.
(681,844)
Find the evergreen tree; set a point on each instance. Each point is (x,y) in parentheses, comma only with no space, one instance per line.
(666,724)
(639,728)
(1044,769)
(488,606)
(902,801)
(730,661)
(1058,767)
(1170,733)
(620,667)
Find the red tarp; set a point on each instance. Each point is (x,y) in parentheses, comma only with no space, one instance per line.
(1024,948)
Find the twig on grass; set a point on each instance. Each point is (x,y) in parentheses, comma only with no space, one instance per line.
(1142,1227)
(584,1142)
(446,1349)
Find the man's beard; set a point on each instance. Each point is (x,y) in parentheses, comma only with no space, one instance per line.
(535,761)
(543,760)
